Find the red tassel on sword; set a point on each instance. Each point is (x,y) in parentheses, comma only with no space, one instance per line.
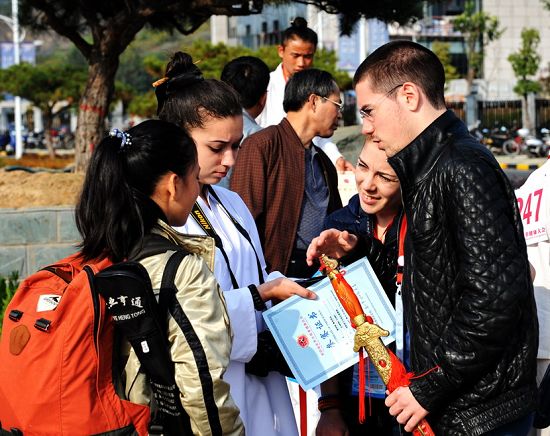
(367,336)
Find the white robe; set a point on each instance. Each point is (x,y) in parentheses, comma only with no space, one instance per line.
(273,112)
(264,402)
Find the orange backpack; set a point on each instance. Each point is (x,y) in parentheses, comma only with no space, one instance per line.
(56,358)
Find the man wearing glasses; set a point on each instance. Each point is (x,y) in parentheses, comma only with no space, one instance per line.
(468,301)
(287,182)
(297,52)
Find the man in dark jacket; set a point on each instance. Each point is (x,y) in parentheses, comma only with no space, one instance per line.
(467,294)
(288,183)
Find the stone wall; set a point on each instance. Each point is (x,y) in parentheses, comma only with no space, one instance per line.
(33,238)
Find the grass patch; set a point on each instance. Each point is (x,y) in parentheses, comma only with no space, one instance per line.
(8,286)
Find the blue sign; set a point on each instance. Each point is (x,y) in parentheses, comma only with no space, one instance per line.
(27,53)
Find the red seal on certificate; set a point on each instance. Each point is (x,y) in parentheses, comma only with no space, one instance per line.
(303,341)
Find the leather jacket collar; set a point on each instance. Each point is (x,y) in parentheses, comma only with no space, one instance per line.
(414,162)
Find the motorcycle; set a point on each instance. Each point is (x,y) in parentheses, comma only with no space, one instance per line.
(525,142)
(500,141)
(545,137)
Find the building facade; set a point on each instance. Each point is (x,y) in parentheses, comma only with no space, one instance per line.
(514,16)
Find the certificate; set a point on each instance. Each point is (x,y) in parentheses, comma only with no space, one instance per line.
(316,337)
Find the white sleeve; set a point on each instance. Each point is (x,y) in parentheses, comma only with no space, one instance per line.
(273,111)
(329,147)
(242,316)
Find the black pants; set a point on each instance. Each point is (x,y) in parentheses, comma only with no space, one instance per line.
(298,268)
(379,423)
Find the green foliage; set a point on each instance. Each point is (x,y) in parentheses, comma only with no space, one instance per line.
(45,84)
(211,59)
(8,286)
(327,60)
(441,49)
(144,105)
(525,62)
(478,29)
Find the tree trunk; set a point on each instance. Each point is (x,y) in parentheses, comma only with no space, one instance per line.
(527,109)
(94,106)
(48,123)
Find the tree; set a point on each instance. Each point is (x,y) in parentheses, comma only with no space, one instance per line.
(399,11)
(525,64)
(441,49)
(211,60)
(478,29)
(50,87)
(102,29)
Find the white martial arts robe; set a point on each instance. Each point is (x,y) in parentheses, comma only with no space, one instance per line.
(264,402)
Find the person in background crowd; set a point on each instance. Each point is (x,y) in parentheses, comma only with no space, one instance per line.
(211,112)
(468,300)
(139,183)
(249,76)
(534,203)
(297,50)
(374,212)
(286,181)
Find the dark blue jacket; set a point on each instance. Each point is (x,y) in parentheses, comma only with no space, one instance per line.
(351,218)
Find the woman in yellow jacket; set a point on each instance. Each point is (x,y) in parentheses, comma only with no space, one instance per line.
(139,183)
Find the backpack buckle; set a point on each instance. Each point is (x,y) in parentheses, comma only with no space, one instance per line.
(15,315)
(42,324)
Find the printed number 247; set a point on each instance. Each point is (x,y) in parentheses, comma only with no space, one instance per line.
(526,212)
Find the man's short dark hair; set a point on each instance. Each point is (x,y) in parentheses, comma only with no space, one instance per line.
(249,76)
(304,83)
(404,61)
(298,30)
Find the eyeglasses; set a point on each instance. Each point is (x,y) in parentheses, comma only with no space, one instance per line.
(340,105)
(366,112)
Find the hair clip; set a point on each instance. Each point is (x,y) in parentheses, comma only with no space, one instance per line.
(159,82)
(125,138)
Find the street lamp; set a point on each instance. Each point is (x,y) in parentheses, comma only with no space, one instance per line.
(13,24)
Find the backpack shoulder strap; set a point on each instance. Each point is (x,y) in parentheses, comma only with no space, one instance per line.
(127,290)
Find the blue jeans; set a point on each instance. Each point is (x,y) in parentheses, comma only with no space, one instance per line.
(520,427)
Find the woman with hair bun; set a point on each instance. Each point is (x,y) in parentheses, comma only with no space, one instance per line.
(140,183)
(211,112)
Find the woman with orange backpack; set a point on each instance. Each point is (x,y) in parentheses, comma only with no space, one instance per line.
(140,183)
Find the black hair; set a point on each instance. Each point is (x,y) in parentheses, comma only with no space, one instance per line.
(298,30)
(304,83)
(115,210)
(187,99)
(249,76)
(403,61)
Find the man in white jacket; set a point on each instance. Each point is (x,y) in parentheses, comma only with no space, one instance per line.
(296,51)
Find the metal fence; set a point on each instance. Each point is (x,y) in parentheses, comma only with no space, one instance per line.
(505,112)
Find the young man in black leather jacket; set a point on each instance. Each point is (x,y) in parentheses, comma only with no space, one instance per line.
(467,294)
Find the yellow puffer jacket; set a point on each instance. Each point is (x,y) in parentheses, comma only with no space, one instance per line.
(200,340)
